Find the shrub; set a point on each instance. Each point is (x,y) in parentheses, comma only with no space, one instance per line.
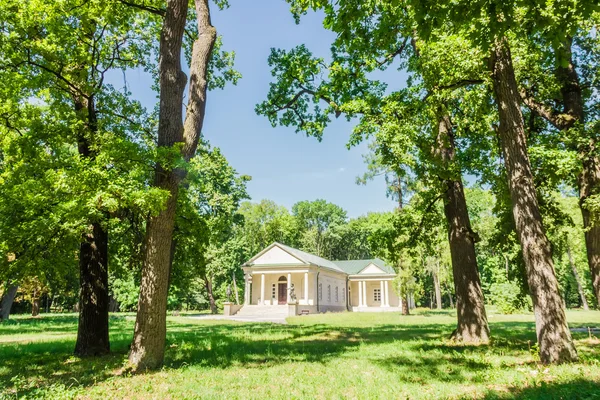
(507,297)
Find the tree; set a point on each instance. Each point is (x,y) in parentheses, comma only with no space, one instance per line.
(176,139)
(59,59)
(572,67)
(398,120)
(554,337)
(317,221)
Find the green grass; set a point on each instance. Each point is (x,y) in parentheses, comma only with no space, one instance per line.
(346,355)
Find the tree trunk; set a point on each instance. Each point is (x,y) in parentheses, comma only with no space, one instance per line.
(589,179)
(211,297)
(472,325)
(589,184)
(584,302)
(405,305)
(554,337)
(35,304)
(450,299)
(7,301)
(92,331)
(438,290)
(147,349)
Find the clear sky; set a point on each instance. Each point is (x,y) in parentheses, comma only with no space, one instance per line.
(285,167)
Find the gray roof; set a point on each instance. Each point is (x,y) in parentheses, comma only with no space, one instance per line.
(310,258)
(353,267)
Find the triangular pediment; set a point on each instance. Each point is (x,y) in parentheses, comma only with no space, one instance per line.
(372,269)
(275,256)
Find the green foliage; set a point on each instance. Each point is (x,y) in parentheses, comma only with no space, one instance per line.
(507,297)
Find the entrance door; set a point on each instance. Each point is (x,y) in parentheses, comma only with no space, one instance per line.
(282,293)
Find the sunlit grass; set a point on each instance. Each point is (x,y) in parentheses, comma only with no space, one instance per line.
(345,355)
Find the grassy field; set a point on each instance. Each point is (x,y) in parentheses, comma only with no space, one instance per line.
(345,355)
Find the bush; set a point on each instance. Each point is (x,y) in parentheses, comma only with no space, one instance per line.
(507,297)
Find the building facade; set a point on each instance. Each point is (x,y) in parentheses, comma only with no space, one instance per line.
(281,276)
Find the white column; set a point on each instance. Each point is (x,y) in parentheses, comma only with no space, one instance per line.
(360,294)
(289,284)
(387,294)
(246,289)
(365,294)
(262,289)
(382,297)
(306,288)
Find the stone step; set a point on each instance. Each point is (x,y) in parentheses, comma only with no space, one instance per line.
(262,311)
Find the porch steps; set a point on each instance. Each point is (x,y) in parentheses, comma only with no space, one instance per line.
(263,311)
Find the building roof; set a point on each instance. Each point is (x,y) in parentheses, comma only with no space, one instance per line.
(353,267)
(310,258)
(350,267)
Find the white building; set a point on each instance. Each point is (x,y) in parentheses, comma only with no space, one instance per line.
(280,272)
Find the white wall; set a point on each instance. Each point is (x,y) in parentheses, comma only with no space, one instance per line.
(331,281)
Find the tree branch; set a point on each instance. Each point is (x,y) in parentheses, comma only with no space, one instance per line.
(143,7)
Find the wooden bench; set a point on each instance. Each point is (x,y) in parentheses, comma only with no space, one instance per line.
(304,312)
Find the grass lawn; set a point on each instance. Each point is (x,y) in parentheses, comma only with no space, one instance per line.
(346,355)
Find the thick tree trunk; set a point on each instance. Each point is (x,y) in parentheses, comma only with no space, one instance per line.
(554,337)
(472,326)
(589,179)
(211,297)
(438,290)
(92,331)
(589,184)
(7,301)
(147,349)
(584,302)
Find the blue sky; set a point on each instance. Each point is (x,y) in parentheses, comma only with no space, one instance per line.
(285,167)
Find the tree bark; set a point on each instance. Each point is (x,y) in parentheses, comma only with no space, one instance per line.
(147,349)
(584,302)
(211,297)
(589,179)
(405,305)
(554,337)
(438,290)
(7,301)
(92,331)
(472,325)
(450,299)
(35,304)
(589,185)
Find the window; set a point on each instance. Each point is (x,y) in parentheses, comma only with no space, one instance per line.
(274,291)
(320,291)
(377,295)
(329,293)
(337,295)
(343,296)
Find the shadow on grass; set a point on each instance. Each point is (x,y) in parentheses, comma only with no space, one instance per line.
(575,389)
(425,354)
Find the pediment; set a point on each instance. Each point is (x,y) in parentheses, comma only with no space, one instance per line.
(276,256)
(372,269)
